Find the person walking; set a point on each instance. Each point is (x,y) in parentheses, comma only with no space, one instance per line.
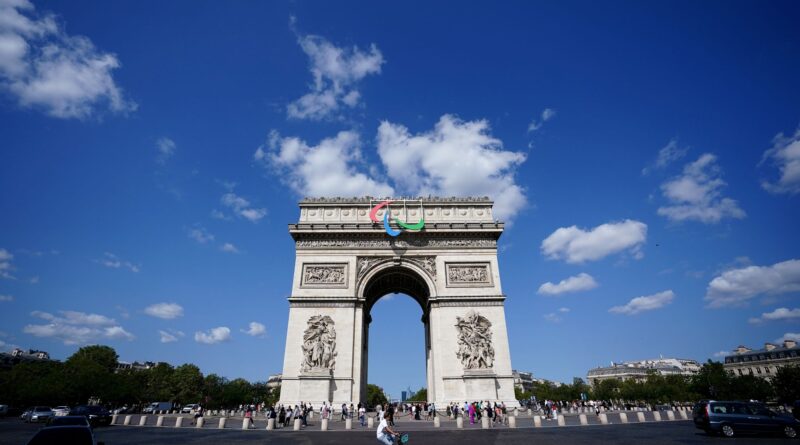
(362,414)
(385,433)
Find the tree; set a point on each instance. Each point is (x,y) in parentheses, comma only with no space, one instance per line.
(786,384)
(89,372)
(607,389)
(419,396)
(188,384)
(750,387)
(712,382)
(375,396)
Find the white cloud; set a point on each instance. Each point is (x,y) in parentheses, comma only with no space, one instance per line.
(325,170)
(44,67)
(781,313)
(580,282)
(242,208)
(789,336)
(112,261)
(166,311)
(577,245)
(170,336)
(200,234)
(229,248)
(336,72)
(552,317)
(736,286)
(73,328)
(456,158)
(696,194)
(785,154)
(6,298)
(216,335)
(5,264)
(645,303)
(546,115)
(166,149)
(667,155)
(256,329)
(563,310)
(720,354)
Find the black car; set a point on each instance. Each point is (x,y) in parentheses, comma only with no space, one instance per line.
(72,434)
(734,418)
(97,415)
(68,420)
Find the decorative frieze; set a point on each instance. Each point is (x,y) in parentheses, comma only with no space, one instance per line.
(468,275)
(324,275)
(383,242)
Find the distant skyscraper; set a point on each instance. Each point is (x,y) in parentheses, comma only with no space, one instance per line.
(403,396)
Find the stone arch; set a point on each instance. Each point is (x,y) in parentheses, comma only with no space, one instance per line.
(395,276)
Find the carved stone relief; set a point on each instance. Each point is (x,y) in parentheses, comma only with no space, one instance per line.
(475,348)
(427,263)
(324,275)
(468,275)
(319,345)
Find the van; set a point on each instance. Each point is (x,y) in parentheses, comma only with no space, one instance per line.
(155,407)
(732,418)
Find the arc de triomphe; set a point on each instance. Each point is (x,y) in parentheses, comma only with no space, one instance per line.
(346,261)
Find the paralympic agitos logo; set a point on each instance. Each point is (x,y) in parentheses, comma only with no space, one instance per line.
(373,215)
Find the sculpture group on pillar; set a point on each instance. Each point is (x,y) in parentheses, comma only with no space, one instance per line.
(475,341)
(319,344)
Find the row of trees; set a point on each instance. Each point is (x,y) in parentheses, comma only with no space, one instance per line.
(91,373)
(712,382)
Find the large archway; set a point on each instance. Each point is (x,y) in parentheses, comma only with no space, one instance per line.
(345,263)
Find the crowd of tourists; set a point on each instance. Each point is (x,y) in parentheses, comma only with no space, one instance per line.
(496,412)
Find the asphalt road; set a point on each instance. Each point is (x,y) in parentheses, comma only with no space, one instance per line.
(14,432)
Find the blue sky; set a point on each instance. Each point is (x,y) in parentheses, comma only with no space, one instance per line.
(151,155)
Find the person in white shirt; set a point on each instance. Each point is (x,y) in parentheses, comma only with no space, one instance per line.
(385,433)
(362,414)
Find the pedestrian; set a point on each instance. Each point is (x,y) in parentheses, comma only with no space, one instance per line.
(344,412)
(472,414)
(362,414)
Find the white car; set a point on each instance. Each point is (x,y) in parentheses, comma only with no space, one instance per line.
(60,411)
(190,408)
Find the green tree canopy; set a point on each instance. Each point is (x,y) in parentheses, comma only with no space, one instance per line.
(375,396)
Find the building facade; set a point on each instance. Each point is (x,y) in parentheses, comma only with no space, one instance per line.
(523,380)
(639,370)
(765,362)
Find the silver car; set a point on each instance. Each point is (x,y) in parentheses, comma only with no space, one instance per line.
(61,411)
(39,414)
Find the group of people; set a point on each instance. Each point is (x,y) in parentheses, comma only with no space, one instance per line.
(285,415)
(496,412)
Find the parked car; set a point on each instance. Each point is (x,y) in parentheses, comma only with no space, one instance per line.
(70,434)
(732,418)
(157,406)
(39,414)
(122,410)
(3,410)
(68,420)
(96,415)
(61,411)
(190,408)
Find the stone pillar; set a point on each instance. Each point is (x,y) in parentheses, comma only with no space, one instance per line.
(683,414)
(623,417)
(270,424)
(583,419)
(516,412)
(603,418)
(324,425)
(370,422)
(537,421)
(671,415)
(512,421)
(348,423)
(640,416)
(160,421)
(297,424)
(114,419)
(127,420)
(657,416)
(222,422)
(246,423)
(484,421)
(459,422)
(561,420)
(436,422)
(142,420)
(200,422)
(178,422)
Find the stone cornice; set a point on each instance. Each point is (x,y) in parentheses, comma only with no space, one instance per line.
(337,201)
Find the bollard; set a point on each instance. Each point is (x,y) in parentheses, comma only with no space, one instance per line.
(222,422)
(516,412)
(657,416)
(512,421)
(459,422)
(583,419)
(199,423)
(160,421)
(297,424)
(178,422)
(684,416)
(572,410)
(348,424)
(640,416)
(324,425)
(623,417)
(484,421)
(370,422)
(436,422)
(114,419)
(561,420)
(603,418)
(127,420)
(537,421)
(270,424)
(142,420)
(671,415)
(246,423)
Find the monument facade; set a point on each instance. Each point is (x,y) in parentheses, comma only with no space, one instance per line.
(442,252)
